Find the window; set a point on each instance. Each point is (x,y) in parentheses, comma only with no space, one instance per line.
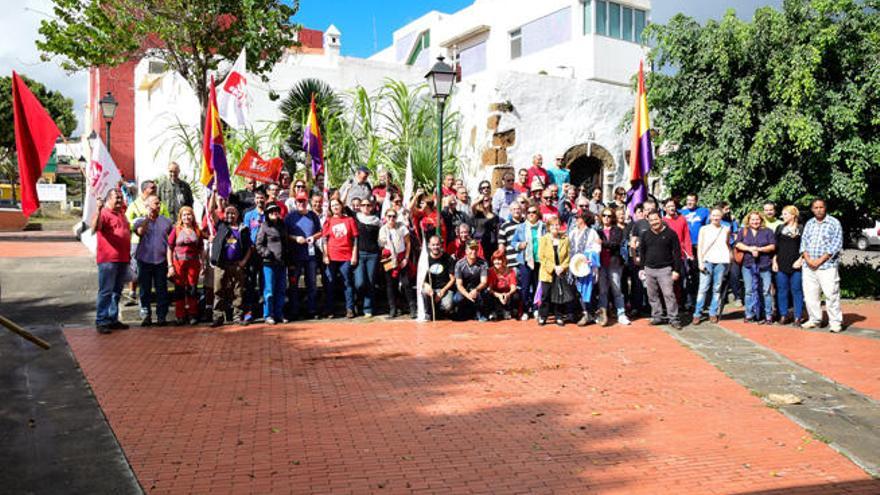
(639,24)
(614,20)
(156,67)
(601,17)
(515,43)
(472,59)
(422,44)
(588,16)
(627,24)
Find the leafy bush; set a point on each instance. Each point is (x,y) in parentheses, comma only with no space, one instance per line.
(859,279)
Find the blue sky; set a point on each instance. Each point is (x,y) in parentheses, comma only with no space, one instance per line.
(368,26)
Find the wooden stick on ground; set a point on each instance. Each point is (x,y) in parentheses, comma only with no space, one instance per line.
(14,328)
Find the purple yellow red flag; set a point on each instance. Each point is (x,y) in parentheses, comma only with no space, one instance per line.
(214,166)
(641,155)
(312,141)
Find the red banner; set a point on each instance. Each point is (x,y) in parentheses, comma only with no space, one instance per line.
(255,167)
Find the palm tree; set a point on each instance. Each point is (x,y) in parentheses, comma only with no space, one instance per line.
(295,110)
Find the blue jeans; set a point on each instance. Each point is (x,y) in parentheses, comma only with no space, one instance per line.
(309,269)
(713,277)
(153,276)
(335,271)
(365,278)
(465,308)
(111,278)
(609,279)
(790,286)
(528,285)
(758,299)
(275,278)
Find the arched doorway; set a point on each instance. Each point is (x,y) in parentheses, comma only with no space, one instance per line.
(587,164)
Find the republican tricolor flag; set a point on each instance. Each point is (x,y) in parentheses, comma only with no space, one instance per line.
(641,156)
(312,141)
(214,166)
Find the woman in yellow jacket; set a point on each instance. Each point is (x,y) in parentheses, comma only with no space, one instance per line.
(556,287)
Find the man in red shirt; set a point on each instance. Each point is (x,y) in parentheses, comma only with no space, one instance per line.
(537,172)
(678,224)
(113,257)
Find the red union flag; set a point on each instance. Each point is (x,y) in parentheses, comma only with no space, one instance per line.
(255,167)
(232,96)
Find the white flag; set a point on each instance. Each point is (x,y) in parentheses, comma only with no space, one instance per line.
(408,181)
(232,95)
(102,175)
(421,273)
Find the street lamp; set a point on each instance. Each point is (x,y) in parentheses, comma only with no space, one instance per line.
(440,79)
(108,111)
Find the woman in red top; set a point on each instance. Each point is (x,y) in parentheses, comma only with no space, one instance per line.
(502,288)
(340,255)
(184,251)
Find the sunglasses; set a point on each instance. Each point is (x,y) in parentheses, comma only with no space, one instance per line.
(533,212)
(546,198)
(390,216)
(485,188)
(607,216)
(299,186)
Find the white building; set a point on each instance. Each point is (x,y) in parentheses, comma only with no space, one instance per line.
(551,77)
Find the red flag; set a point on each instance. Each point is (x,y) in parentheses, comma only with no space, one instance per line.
(35,135)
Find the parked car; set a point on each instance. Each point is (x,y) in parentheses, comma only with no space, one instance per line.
(867,237)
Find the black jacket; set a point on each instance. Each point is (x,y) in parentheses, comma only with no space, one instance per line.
(611,244)
(217,246)
(660,250)
(272,243)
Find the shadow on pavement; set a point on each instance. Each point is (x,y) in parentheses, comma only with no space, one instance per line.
(293,409)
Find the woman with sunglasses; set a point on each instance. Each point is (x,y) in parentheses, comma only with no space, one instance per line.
(396,245)
(368,224)
(298,186)
(610,268)
(485,224)
(525,239)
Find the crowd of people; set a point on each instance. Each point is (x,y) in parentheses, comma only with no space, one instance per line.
(535,244)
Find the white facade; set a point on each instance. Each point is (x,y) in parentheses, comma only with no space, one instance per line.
(565,67)
(162,100)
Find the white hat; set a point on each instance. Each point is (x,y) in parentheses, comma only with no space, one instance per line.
(579,265)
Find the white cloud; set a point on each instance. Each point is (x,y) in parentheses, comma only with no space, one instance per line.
(18,51)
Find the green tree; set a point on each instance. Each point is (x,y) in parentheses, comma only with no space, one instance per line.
(781,108)
(58,106)
(190,36)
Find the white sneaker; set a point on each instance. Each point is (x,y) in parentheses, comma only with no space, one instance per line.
(537,315)
(623,320)
(270,321)
(524,317)
(809,324)
(835,327)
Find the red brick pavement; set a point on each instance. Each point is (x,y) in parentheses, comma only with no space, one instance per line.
(27,249)
(850,360)
(446,408)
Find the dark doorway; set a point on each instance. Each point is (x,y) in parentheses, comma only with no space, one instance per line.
(586,171)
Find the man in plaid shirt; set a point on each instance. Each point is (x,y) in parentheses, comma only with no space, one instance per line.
(820,247)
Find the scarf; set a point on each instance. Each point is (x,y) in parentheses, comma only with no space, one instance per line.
(368,219)
(530,258)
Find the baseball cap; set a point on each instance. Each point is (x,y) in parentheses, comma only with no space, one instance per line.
(273,207)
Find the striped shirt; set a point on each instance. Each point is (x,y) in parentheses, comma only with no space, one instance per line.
(820,238)
(505,235)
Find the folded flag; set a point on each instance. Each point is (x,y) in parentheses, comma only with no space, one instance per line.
(641,155)
(214,166)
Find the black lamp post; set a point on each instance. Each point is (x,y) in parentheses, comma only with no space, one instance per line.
(440,79)
(108,111)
